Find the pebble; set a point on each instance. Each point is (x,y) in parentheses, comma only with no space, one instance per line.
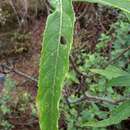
(2,79)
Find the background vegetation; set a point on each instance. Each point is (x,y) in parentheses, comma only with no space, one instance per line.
(99,76)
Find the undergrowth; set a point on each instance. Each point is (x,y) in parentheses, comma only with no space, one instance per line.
(111,56)
(14,107)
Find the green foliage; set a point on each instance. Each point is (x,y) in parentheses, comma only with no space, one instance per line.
(54,63)
(54,66)
(120,113)
(121,4)
(14,104)
(120,81)
(110,82)
(110,72)
(5,98)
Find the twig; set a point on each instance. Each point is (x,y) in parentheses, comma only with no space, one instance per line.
(19,72)
(75,67)
(67,101)
(82,14)
(118,57)
(24,123)
(89,98)
(12,3)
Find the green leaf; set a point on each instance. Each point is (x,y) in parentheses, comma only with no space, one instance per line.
(120,81)
(54,63)
(128,16)
(120,113)
(71,76)
(110,72)
(121,4)
(54,2)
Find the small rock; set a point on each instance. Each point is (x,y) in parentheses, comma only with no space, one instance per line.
(2,79)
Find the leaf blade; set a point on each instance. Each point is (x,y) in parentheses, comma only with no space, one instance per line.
(120,81)
(54,63)
(122,112)
(121,4)
(110,72)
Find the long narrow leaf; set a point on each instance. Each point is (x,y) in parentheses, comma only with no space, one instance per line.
(54,63)
(120,81)
(120,113)
(110,72)
(121,4)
